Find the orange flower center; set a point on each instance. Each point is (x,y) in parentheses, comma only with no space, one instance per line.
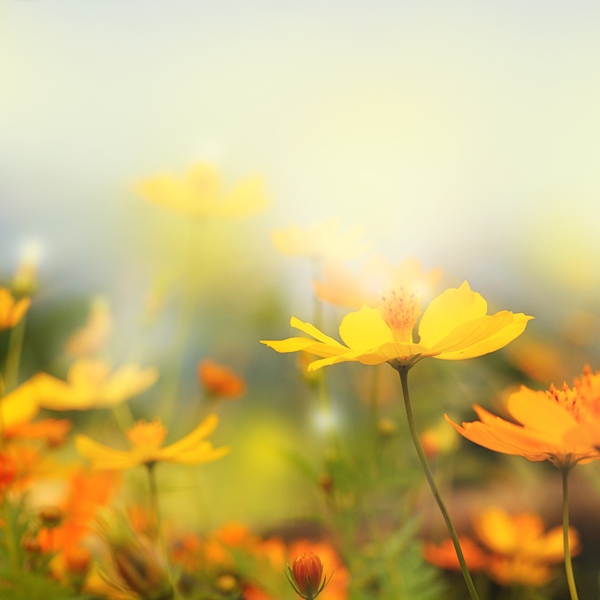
(583,399)
(147,435)
(400,310)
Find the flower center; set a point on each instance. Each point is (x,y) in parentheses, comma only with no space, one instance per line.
(571,400)
(147,435)
(400,310)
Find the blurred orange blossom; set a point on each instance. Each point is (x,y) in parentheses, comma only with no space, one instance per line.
(454,326)
(220,381)
(147,447)
(199,193)
(344,287)
(549,425)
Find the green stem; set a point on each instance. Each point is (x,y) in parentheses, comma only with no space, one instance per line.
(154,513)
(403,371)
(13,359)
(565,517)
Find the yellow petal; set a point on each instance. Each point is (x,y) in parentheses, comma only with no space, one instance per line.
(203,430)
(534,409)
(313,331)
(365,329)
(20,405)
(448,311)
(103,457)
(481,336)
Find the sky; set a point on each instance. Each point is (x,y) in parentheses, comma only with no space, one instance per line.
(466,133)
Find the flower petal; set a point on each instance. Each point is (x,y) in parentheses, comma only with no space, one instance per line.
(449,310)
(103,457)
(365,329)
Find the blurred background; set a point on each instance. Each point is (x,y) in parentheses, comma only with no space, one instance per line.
(466,134)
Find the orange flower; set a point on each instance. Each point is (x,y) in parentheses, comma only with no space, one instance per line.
(521,551)
(220,381)
(52,431)
(146,447)
(343,287)
(199,193)
(11,310)
(444,554)
(551,424)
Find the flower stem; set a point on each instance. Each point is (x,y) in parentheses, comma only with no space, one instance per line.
(565,515)
(13,359)
(403,371)
(153,496)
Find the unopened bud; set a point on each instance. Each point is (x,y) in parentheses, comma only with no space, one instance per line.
(51,516)
(306,576)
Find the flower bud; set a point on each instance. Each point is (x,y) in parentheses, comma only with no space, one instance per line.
(306,574)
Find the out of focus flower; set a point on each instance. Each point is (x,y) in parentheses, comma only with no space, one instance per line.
(53,432)
(549,426)
(220,381)
(522,551)
(11,310)
(8,471)
(199,193)
(438,440)
(324,241)
(90,384)
(518,550)
(344,287)
(93,336)
(24,282)
(539,361)
(147,447)
(444,554)
(454,326)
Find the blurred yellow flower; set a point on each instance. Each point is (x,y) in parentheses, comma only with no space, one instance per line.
(90,384)
(199,193)
(454,326)
(521,551)
(93,336)
(11,310)
(147,447)
(324,241)
(19,406)
(344,287)
(549,425)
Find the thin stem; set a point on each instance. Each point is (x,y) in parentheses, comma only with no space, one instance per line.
(154,513)
(13,359)
(565,515)
(403,371)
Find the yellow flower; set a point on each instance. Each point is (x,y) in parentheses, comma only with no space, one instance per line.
(343,287)
(522,550)
(90,384)
(147,447)
(199,193)
(11,310)
(549,425)
(93,336)
(454,326)
(323,241)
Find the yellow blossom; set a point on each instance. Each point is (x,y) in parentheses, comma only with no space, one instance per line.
(93,336)
(199,193)
(324,241)
(11,310)
(90,384)
(454,326)
(147,447)
(548,425)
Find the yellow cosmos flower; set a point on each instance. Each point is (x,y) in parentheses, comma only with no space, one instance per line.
(147,447)
(199,193)
(90,384)
(11,310)
(324,241)
(549,425)
(454,326)
(342,286)
(522,550)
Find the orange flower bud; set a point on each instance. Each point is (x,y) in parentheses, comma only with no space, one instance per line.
(51,516)
(307,572)
(220,381)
